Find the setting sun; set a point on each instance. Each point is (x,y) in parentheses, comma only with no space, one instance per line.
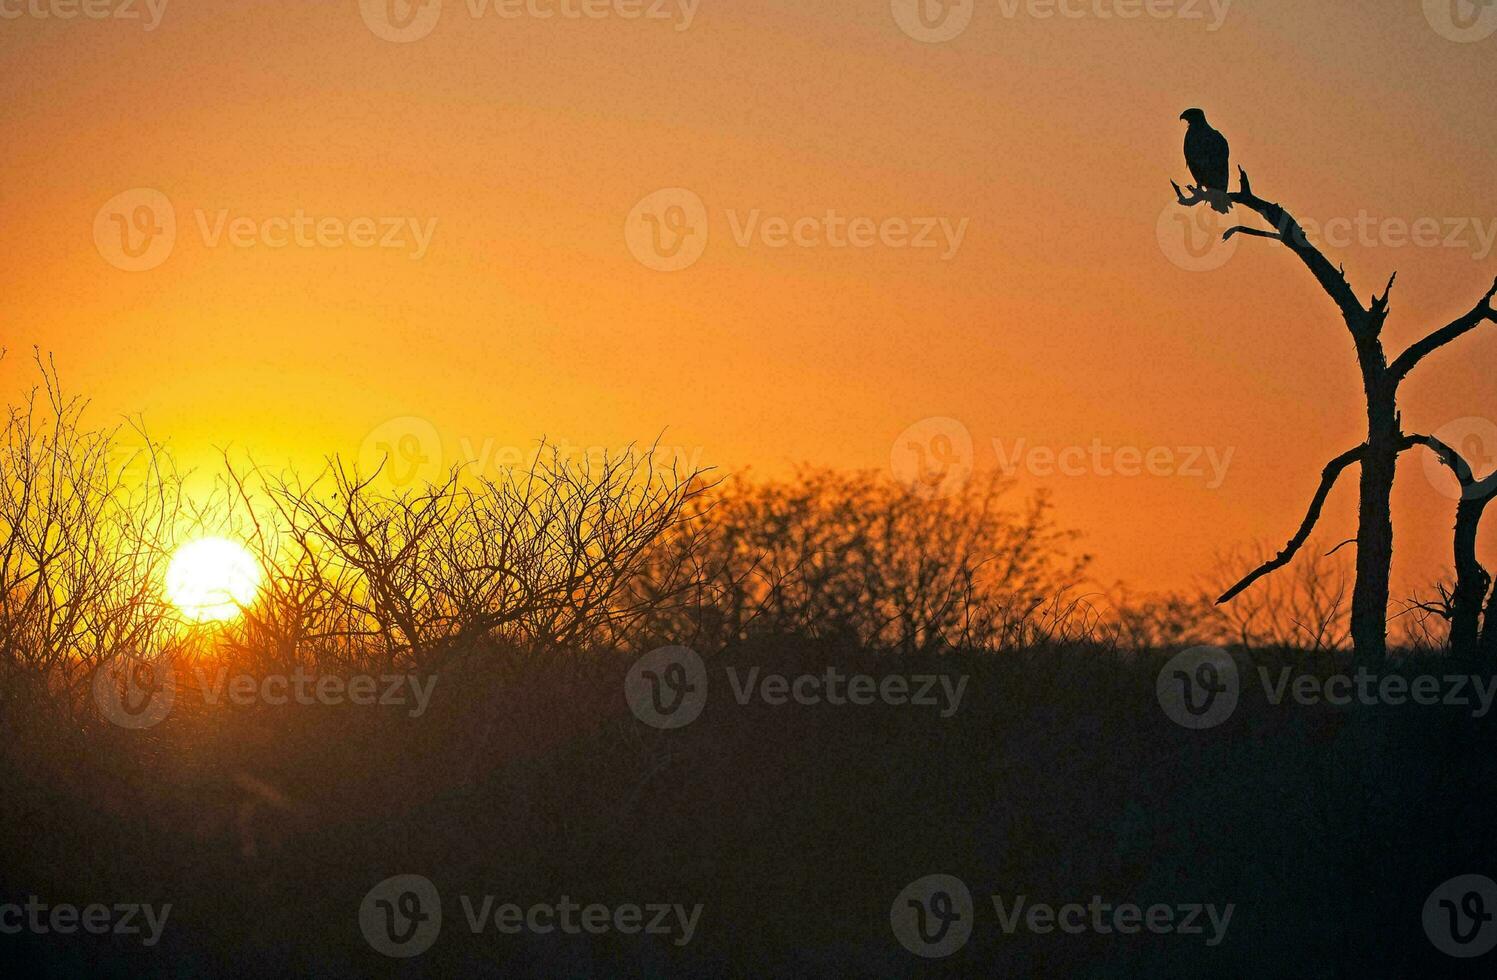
(212,579)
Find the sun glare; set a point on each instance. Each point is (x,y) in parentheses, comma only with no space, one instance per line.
(212,579)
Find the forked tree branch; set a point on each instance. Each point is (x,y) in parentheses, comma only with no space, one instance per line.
(1475,496)
(1453,460)
(1287,230)
(1328,478)
(1471,579)
(1475,493)
(1483,312)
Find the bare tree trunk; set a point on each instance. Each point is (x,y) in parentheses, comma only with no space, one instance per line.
(1369,603)
(1489,630)
(1471,581)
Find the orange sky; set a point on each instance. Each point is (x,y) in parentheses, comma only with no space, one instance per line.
(1061,319)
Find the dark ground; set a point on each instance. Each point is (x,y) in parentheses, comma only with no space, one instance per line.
(795,826)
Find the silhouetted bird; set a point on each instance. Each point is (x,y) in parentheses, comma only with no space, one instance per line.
(1207,155)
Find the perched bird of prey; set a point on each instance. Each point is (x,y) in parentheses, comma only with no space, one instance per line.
(1207,155)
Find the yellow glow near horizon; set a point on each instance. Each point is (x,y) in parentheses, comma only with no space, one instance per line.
(1063,321)
(212,579)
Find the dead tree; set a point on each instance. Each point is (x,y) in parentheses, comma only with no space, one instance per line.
(1472,582)
(1378,455)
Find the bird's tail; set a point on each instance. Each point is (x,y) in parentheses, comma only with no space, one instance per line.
(1221,203)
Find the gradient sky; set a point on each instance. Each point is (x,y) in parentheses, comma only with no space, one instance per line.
(1064,318)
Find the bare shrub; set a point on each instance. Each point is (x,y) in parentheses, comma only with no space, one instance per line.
(561,558)
(1309,609)
(857,558)
(540,558)
(81,545)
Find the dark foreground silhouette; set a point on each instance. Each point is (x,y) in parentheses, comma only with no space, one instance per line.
(476,702)
(528,778)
